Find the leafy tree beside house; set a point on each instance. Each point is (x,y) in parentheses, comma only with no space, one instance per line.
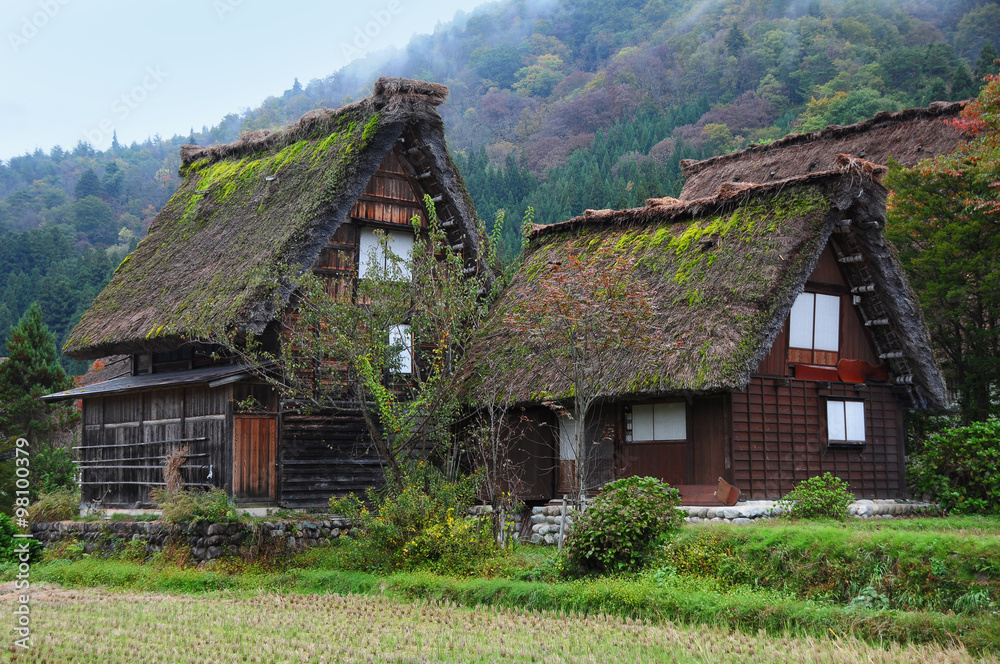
(31,370)
(943,217)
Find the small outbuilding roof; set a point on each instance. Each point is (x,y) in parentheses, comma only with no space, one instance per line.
(722,274)
(246,214)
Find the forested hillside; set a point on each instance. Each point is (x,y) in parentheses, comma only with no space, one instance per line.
(561,105)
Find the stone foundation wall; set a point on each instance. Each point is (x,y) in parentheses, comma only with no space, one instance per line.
(207,540)
(546,519)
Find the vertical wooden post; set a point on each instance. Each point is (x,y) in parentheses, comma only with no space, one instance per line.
(562,524)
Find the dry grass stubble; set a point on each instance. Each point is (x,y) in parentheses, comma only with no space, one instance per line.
(98,627)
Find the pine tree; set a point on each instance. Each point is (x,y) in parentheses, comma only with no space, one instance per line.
(88,185)
(30,371)
(987,62)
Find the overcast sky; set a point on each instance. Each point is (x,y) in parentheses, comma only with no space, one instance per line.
(79,69)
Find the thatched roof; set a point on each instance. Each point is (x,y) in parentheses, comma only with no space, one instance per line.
(249,212)
(906,136)
(722,274)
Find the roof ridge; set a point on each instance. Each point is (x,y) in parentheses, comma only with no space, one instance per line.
(398,96)
(728,194)
(934,110)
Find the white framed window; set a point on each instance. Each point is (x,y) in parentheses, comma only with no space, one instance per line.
(815,322)
(845,421)
(401,338)
(372,253)
(659,421)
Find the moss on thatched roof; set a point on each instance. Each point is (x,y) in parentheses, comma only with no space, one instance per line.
(907,136)
(250,212)
(721,273)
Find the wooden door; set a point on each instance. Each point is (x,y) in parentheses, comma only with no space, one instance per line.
(255,469)
(710,438)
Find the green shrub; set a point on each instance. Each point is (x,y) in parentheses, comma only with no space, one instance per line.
(626,524)
(423,524)
(53,470)
(8,542)
(194,505)
(820,497)
(61,505)
(960,468)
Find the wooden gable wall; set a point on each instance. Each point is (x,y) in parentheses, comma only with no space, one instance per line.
(855,344)
(779,421)
(326,454)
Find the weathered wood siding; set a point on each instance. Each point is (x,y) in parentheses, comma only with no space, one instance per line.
(779,438)
(325,455)
(392,196)
(126,435)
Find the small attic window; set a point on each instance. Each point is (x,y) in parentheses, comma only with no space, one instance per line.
(815,322)
(373,256)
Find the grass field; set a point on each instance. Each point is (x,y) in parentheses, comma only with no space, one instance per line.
(924,590)
(98,627)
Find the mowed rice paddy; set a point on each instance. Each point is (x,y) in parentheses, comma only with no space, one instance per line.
(96,626)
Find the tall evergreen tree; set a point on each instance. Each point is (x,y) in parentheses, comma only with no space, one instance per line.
(987,62)
(30,371)
(88,185)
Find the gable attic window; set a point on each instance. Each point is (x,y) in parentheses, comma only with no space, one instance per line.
(658,421)
(845,423)
(373,255)
(814,329)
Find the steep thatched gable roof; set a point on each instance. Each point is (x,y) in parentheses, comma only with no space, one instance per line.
(906,136)
(722,275)
(248,211)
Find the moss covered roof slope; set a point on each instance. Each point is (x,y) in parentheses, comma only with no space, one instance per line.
(247,212)
(721,275)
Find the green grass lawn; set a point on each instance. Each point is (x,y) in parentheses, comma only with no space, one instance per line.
(925,586)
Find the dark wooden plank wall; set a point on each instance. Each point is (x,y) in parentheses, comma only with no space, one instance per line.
(153,416)
(535,451)
(325,455)
(390,197)
(779,438)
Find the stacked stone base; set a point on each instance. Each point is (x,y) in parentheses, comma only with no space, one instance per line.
(547,521)
(752,510)
(207,541)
